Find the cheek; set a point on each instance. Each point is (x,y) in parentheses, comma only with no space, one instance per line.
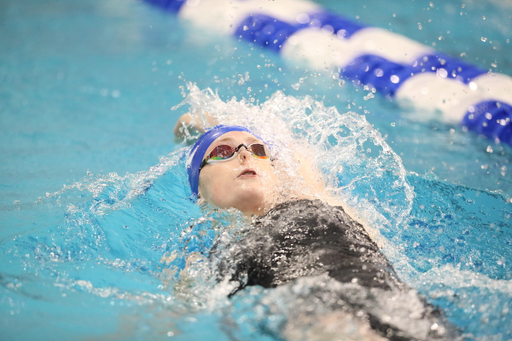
(268,174)
(213,186)
(206,187)
(218,187)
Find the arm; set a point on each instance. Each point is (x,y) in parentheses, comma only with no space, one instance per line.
(310,173)
(190,127)
(317,185)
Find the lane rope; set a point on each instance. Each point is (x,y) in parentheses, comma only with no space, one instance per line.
(395,66)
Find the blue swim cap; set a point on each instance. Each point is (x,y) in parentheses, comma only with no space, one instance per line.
(195,156)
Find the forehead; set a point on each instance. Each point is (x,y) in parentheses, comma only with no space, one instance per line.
(233,138)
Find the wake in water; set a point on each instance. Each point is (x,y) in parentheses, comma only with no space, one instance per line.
(349,152)
(294,126)
(138,240)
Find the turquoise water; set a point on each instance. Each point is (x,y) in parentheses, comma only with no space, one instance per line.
(93,191)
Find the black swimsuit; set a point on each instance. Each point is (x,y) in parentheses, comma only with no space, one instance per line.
(310,238)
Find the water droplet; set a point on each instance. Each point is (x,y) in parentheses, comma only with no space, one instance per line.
(484,39)
(302,18)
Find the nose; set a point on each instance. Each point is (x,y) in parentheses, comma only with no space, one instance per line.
(243,154)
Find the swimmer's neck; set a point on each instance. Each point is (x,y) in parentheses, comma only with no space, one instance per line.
(261,211)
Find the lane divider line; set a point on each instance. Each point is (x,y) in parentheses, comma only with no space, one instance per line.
(395,66)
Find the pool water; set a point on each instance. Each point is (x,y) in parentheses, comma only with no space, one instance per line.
(98,237)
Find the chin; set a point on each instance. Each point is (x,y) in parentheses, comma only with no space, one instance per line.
(250,200)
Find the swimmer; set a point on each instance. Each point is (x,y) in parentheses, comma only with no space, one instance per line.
(300,233)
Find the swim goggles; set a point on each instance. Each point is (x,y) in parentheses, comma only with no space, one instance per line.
(225,152)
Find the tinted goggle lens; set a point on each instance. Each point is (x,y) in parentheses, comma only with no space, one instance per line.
(258,150)
(221,152)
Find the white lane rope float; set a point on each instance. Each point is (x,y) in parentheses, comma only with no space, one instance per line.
(395,66)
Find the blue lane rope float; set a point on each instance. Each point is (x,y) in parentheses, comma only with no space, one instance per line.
(395,66)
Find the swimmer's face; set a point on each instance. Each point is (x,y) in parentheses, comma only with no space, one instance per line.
(245,182)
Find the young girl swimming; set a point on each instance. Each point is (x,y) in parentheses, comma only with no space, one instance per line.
(303,233)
